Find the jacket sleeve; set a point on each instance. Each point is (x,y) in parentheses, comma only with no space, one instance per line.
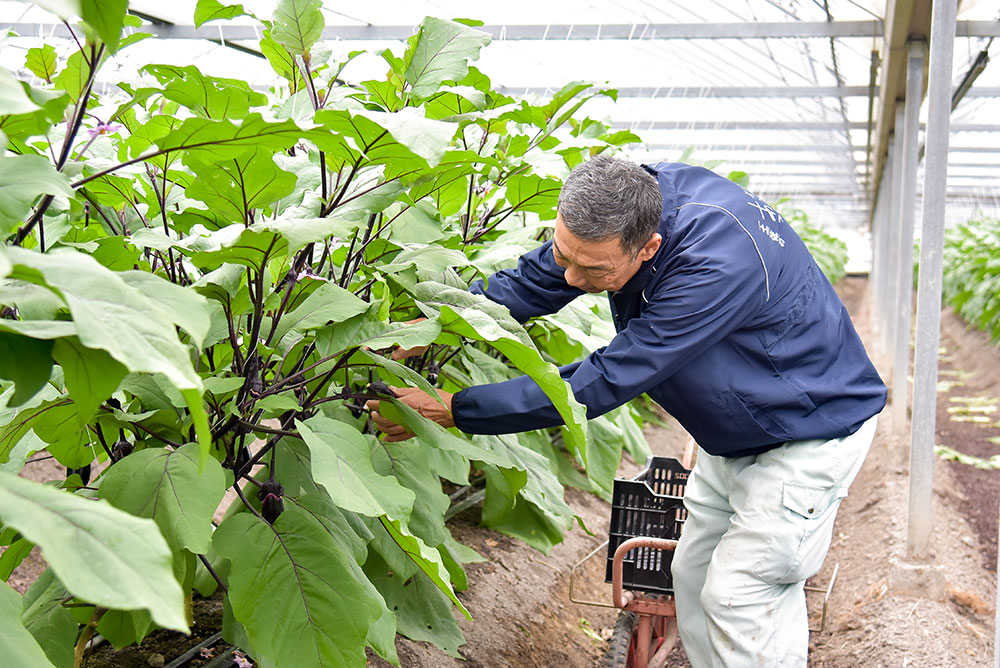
(536,287)
(709,289)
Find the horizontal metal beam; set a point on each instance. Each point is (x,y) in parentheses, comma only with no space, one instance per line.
(716,91)
(799,163)
(972,127)
(974,177)
(533,32)
(552,32)
(807,126)
(756,147)
(973,149)
(974,165)
(977,29)
(984,91)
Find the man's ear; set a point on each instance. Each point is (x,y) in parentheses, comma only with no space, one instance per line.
(649,250)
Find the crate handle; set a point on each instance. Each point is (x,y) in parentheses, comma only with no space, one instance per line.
(625,548)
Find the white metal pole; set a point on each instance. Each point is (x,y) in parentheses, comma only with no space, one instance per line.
(903,307)
(895,239)
(888,199)
(878,267)
(928,334)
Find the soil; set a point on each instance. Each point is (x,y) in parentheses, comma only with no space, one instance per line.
(520,598)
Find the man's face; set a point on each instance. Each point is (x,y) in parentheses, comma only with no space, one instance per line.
(596,266)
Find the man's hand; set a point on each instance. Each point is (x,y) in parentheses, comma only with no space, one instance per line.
(419,401)
(403,353)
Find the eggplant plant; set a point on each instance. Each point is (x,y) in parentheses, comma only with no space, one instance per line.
(971,280)
(200,287)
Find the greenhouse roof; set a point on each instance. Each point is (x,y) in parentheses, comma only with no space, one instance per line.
(800,94)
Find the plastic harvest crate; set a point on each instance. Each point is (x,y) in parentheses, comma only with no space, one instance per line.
(648,505)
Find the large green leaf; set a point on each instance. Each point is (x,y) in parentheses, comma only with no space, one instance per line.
(13,98)
(530,192)
(427,558)
(423,612)
(18,646)
(211,10)
(39,329)
(282,62)
(106,17)
(233,188)
(303,231)
(297,24)
(28,362)
(526,501)
(342,464)
(73,77)
(48,621)
(185,308)
(418,470)
(41,60)
(14,555)
(165,485)
(113,316)
(226,141)
(122,628)
(91,375)
(442,52)
(52,105)
(297,590)
(208,97)
(504,509)
(102,555)
(405,141)
(329,303)
(22,179)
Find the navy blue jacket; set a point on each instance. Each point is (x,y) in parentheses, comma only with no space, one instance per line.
(731,327)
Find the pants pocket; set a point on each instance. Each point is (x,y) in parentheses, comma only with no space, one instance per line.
(801,534)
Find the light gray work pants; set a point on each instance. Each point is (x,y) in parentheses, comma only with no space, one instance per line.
(757,527)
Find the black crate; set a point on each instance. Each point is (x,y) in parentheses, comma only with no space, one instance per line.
(648,505)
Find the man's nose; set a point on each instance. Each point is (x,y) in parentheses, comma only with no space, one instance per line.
(576,278)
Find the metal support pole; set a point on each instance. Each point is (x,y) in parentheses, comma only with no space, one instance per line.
(895,239)
(875,273)
(928,334)
(888,201)
(904,258)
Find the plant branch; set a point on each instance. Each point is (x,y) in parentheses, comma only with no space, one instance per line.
(72,129)
(152,433)
(267,430)
(211,571)
(86,635)
(246,502)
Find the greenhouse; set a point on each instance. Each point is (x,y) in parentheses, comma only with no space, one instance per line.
(437,334)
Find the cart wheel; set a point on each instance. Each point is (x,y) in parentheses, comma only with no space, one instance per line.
(618,653)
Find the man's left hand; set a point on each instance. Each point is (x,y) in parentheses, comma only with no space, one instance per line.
(419,401)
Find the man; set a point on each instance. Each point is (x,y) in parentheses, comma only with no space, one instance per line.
(725,320)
